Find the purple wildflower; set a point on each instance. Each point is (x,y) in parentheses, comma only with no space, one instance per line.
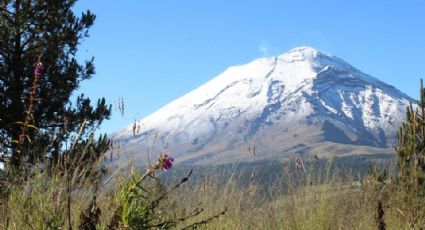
(38,68)
(166,161)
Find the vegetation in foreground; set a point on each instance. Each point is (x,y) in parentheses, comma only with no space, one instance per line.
(300,200)
(54,175)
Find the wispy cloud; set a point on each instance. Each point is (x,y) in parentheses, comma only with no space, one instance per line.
(264,48)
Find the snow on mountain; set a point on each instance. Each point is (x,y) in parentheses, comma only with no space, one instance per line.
(302,101)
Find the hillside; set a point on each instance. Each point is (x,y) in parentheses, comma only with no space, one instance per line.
(301,102)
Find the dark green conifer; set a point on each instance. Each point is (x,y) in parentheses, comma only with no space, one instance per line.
(51,32)
(411,147)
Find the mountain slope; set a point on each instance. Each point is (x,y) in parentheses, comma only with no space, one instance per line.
(300,102)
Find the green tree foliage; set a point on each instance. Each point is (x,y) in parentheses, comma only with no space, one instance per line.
(411,162)
(47,31)
(411,147)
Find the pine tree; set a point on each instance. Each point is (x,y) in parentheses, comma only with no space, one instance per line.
(411,147)
(39,71)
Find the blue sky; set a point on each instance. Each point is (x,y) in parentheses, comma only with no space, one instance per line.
(152,52)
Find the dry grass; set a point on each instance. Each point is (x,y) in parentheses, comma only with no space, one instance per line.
(299,201)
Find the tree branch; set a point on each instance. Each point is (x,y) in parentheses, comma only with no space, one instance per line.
(5,14)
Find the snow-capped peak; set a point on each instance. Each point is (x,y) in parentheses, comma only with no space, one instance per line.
(274,101)
(304,52)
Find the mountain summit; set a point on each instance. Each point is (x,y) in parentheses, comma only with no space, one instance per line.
(301,102)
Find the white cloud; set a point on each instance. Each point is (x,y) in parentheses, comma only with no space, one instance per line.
(264,48)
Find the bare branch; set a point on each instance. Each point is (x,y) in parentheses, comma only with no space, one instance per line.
(183,180)
(206,221)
